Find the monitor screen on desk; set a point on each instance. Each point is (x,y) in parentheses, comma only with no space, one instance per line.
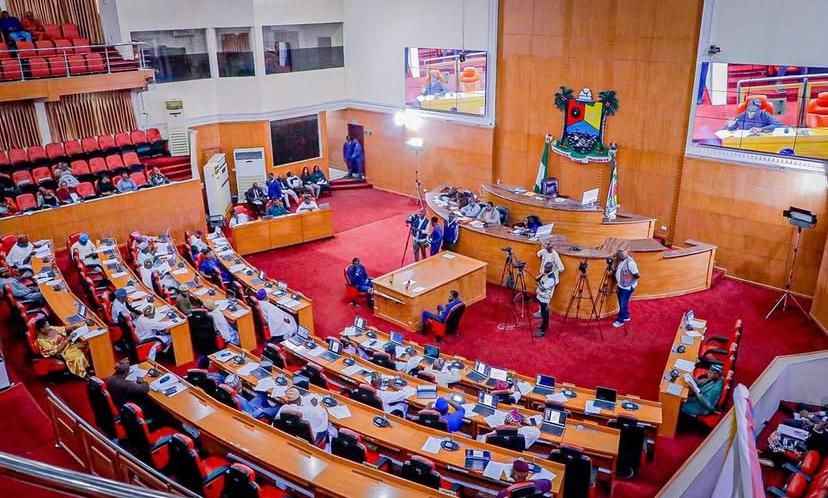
(553,416)
(545,381)
(487,399)
(397,338)
(481,368)
(606,394)
(432,351)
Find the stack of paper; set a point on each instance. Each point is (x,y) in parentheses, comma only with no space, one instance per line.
(557,398)
(339,412)
(432,445)
(682,364)
(543,474)
(495,419)
(265,384)
(135,373)
(352,370)
(247,368)
(590,408)
(497,471)
(223,356)
(524,387)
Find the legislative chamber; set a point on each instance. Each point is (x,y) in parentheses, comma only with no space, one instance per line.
(465,248)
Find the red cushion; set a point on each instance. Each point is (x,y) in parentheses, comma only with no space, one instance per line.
(810,462)
(268,491)
(797,486)
(159,433)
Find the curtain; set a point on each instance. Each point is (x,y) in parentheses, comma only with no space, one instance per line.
(19,127)
(84,13)
(232,42)
(90,114)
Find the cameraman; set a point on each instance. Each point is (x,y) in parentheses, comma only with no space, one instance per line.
(626,278)
(418,224)
(546,283)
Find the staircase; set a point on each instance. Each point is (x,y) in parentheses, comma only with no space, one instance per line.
(175,168)
(350,184)
(116,62)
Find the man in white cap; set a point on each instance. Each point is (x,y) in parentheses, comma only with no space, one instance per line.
(147,326)
(257,407)
(754,119)
(282,325)
(223,327)
(311,412)
(704,393)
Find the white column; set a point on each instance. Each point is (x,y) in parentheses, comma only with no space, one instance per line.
(42,122)
(212,48)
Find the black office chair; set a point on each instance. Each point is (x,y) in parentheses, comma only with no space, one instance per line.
(421,471)
(314,375)
(106,414)
(203,331)
(383,359)
(291,422)
(522,490)
(507,437)
(631,446)
(433,419)
(348,444)
(273,352)
(366,394)
(201,379)
(580,476)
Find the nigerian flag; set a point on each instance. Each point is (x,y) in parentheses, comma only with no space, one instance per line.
(542,167)
(612,192)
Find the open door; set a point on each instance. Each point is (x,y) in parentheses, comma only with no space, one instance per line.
(357,132)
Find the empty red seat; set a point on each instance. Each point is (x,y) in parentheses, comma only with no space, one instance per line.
(38,67)
(11,69)
(98,166)
(95,63)
(86,190)
(154,135)
(70,31)
(90,145)
(138,137)
(42,175)
(37,154)
(63,46)
(139,179)
(46,47)
(77,64)
(25,49)
(73,148)
(80,168)
(106,142)
(22,179)
(123,141)
(54,151)
(4,51)
(131,159)
(4,158)
(57,65)
(18,157)
(26,202)
(114,162)
(81,46)
(51,32)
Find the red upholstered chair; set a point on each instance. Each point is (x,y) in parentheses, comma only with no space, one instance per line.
(90,145)
(11,69)
(41,365)
(107,143)
(421,470)
(46,48)
(114,163)
(4,159)
(95,63)
(155,140)
(37,155)
(80,169)
(26,202)
(796,487)
(106,414)
(139,178)
(70,31)
(4,51)
(450,326)
(580,474)
(315,375)
(719,342)
(23,180)
(26,50)
(51,32)
(240,482)
(766,106)
(202,476)
(816,113)
(433,419)
(138,137)
(352,292)
(38,67)
(132,162)
(291,422)
(710,421)
(274,353)
(43,177)
(348,444)
(73,148)
(63,47)
(18,157)
(123,142)
(57,66)
(366,394)
(138,349)
(97,165)
(151,447)
(82,46)
(86,190)
(77,64)
(8,241)
(522,490)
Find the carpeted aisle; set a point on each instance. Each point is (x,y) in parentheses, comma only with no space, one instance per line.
(370,224)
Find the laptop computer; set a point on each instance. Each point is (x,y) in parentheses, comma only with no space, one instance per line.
(333,352)
(477,460)
(300,337)
(78,317)
(554,421)
(427,391)
(496,374)
(479,373)
(360,323)
(544,385)
(486,404)
(605,398)
(431,353)
(397,339)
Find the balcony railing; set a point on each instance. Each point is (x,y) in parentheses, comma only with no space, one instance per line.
(70,61)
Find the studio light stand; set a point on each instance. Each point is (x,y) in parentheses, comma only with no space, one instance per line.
(799,219)
(416,144)
(513,278)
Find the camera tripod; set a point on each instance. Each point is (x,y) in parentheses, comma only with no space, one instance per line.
(513,278)
(577,294)
(604,290)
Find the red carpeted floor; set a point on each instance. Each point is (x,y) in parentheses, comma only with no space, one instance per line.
(371,224)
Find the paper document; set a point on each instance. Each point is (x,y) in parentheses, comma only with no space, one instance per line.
(682,364)
(163,383)
(496,470)
(418,289)
(786,430)
(138,294)
(674,389)
(239,313)
(135,373)
(265,385)
(119,274)
(247,369)
(524,387)
(590,408)
(698,324)
(223,356)
(498,374)
(352,370)
(315,351)
(339,412)
(543,474)
(201,291)
(495,419)
(557,398)
(237,268)
(449,255)
(432,445)
(180,271)
(278,391)
(468,407)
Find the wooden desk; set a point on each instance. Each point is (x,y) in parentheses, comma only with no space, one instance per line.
(403,304)
(64,304)
(121,276)
(671,403)
(295,228)
(293,459)
(203,291)
(473,102)
(597,440)
(581,225)
(249,278)
(812,144)
(666,272)
(407,437)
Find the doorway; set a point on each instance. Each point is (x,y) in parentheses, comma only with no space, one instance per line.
(357,132)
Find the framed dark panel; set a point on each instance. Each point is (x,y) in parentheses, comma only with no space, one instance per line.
(295,139)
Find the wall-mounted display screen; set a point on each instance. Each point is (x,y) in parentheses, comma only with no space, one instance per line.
(295,139)
(446,80)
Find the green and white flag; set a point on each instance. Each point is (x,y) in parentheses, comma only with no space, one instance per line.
(543,167)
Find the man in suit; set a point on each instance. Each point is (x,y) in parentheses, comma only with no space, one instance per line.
(357,159)
(442,311)
(435,240)
(256,198)
(451,232)
(347,152)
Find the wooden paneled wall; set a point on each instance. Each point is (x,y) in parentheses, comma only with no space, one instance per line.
(224,137)
(453,154)
(642,49)
(819,308)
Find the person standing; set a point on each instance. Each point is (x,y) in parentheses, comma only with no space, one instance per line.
(358,159)
(435,240)
(451,232)
(347,152)
(626,277)
(548,254)
(545,287)
(419,234)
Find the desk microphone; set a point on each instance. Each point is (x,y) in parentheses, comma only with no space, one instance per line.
(381,422)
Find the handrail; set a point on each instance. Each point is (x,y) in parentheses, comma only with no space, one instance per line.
(135,49)
(57,478)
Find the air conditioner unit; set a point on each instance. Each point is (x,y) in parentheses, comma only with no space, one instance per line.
(217,185)
(178,139)
(250,167)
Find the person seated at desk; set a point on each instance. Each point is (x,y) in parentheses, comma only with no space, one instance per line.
(256,198)
(54,341)
(353,348)
(145,272)
(104,186)
(308,204)
(147,327)
(125,391)
(309,184)
(281,324)
(157,178)
(7,206)
(197,242)
(520,475)
(443,311)
(67,194)
(531,223)
(20,291)
(705,393)
(257,407)
(46,198)
(454,420)
(489,214)
(125,184)
(86,251)
(287,191)
(393,402)
(754,119)
(20,255)
(276,208)
(506,393)
(515,420)
(182,301)
(295,183)
(210,266)
(435,238)
(222,326)
(400,365)
(145,253)
(121,309)
(312,413)
(318,177)
(63,173)
(443,376)
(274,190)
(472,209)
(238,218)
(451,232)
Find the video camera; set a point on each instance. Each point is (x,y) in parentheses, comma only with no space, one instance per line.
(506,249)
(582,266)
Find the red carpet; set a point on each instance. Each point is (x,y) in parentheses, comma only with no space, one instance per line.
(371,224)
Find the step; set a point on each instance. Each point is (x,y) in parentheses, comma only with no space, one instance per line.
(351,186)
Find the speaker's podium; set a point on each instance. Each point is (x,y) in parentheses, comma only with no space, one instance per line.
(402,295)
